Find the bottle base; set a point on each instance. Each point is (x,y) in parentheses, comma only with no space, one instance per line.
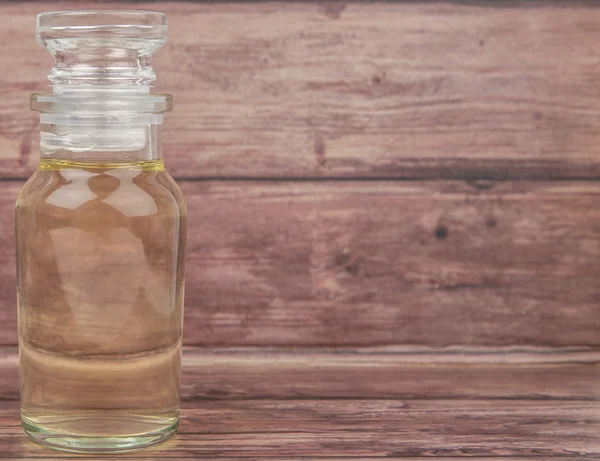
(84,443)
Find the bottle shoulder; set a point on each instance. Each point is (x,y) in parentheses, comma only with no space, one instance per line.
(128,192)
(170,185)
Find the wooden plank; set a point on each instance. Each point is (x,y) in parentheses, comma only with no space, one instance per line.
(320,90)
(248,374)
(364,404)
(268,429)
(381,263)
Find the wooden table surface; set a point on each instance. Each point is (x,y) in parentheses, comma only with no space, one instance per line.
(350,404)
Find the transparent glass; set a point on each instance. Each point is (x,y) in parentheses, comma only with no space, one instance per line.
(100,232)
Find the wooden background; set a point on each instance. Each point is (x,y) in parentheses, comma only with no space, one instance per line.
(394,226)
(411,175)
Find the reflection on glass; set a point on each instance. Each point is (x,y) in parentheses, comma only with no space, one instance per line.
(75,192)
(128,198)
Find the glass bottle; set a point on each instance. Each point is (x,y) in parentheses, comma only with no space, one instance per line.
(100,232)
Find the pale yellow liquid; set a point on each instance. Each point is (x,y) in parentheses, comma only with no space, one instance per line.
(100,291)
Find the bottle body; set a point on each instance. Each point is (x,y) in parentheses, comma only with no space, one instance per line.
(100,268)
(100,232)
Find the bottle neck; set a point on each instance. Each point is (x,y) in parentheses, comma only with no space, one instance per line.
(101,143)
(100,125)
(101,109)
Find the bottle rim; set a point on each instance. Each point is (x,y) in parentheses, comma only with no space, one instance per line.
(102,47)
(89,19)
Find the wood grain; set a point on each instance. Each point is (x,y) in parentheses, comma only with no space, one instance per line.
(250,374)
(320,90)
(267,429)
(364,404)
(285,405)
(360,263)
